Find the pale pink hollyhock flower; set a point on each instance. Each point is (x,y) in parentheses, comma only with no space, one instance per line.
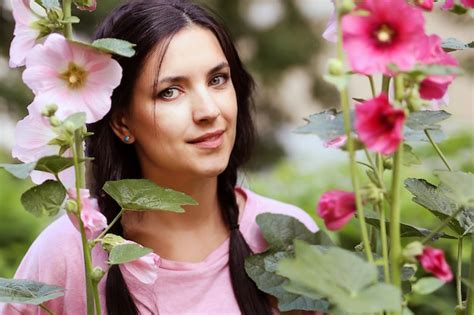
(24,34)
(88,5)
(94,221)
(426,5)
(67,177)
(379,125)
(330,33)
(378,39)
(433,261)
(336,142)
(336,207)
(76,77)
(435,86)
(145,268)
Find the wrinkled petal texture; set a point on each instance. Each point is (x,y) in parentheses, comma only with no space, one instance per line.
(145,268)
(24,36)
(46,63)
(366,54)
(379,125)
(433,261)
(93,220)
(336,208)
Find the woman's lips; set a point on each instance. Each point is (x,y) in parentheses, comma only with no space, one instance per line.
(211,142)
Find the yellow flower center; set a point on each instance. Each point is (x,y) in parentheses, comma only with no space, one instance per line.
(75,76)
(384,34)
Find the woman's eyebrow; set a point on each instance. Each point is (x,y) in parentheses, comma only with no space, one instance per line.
(172,79)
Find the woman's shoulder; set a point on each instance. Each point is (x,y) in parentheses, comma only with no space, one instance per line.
(257,204)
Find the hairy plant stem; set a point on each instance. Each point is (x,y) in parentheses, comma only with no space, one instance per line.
(67,14)
(350,145)
(459,273)
(470,294)
(395,241)
(438,150)
(78,155)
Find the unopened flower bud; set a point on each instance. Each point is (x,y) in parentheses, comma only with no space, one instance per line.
(54,121)
(371,193)
(49,110)
(97,274)
(71,206)
(335,67)
(359,247)
(387,163)
(412,250)
(69,127)
(346,6)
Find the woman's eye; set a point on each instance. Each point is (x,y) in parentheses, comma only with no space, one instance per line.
(219,79)
(169,94)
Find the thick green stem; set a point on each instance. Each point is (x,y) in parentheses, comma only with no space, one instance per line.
(383,239)
(350,145)
(372,85)
(470,294)
(459,273)
(395,242)
(438,150)
(78,155)
(67,14)
(385,84)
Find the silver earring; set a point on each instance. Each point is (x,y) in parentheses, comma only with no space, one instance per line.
(126,139)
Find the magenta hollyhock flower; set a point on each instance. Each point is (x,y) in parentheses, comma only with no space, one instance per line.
(468,3)
(433,261)
(435,87)
(94,221)
(75,77)
(25,34)
(145,268)
(426,5)
(336,207)
(379,125)
(374,40)
(448,5)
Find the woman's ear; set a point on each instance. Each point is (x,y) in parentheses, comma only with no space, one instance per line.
(121,129)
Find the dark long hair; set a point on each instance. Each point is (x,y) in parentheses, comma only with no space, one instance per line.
(148,23)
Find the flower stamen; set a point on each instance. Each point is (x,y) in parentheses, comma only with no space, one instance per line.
(384,34)
(74,76)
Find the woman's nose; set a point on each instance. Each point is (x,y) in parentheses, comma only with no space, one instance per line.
(205,107)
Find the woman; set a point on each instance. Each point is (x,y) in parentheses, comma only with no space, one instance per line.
(181,118)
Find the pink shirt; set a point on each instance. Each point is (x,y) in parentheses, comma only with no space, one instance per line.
(181,288)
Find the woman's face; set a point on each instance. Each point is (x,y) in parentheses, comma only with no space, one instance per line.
(187,128)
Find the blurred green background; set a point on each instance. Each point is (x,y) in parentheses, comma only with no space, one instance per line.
(280,42)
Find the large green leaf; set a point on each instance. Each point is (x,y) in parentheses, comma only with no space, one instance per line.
(451,44)
(406,230)
(27,291)
(115,46)
(280,231)
(458,186)
(427,285)
(44,199)
(349,282)
(21,171)
(437,200)
(143,194)
(127,252)
(326,125)
(426,119)
(409,157)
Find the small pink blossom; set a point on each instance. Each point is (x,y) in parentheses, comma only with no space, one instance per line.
(88,5)
(435,86)
(77,78)
(145,268)
(433,261)
(426,5)
(379,125)
(336,142)
(94,221)
(25,34)
(336,207)
(378,39)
